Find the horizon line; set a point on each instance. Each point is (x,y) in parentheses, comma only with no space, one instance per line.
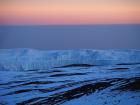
(69,24)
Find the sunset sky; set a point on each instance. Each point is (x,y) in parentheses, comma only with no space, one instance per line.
(57,12)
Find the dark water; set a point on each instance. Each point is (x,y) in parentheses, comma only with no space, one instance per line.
(72,85)
(71,37)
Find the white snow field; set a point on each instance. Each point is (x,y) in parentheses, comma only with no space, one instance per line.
(69,77)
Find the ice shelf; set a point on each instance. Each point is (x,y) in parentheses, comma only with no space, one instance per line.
(28,59)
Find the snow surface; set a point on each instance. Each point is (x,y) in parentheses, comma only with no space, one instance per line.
(32,77)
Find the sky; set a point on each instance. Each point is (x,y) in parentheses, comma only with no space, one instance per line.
(69,12)
(70,24)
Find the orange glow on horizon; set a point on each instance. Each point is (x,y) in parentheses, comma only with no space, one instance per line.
(54,12)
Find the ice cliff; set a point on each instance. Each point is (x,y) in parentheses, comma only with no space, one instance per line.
(30,59)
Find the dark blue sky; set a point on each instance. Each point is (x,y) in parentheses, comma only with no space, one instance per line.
(70,37)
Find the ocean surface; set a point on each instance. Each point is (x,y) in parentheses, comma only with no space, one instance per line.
(71,37)
(113,80)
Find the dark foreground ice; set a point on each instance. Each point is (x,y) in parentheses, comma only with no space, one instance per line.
(116,82)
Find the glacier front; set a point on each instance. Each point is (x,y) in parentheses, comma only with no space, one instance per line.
(30,59)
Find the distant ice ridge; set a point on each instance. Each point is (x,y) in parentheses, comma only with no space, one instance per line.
(30,59)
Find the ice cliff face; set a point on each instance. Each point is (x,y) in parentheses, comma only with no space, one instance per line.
(28,59)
